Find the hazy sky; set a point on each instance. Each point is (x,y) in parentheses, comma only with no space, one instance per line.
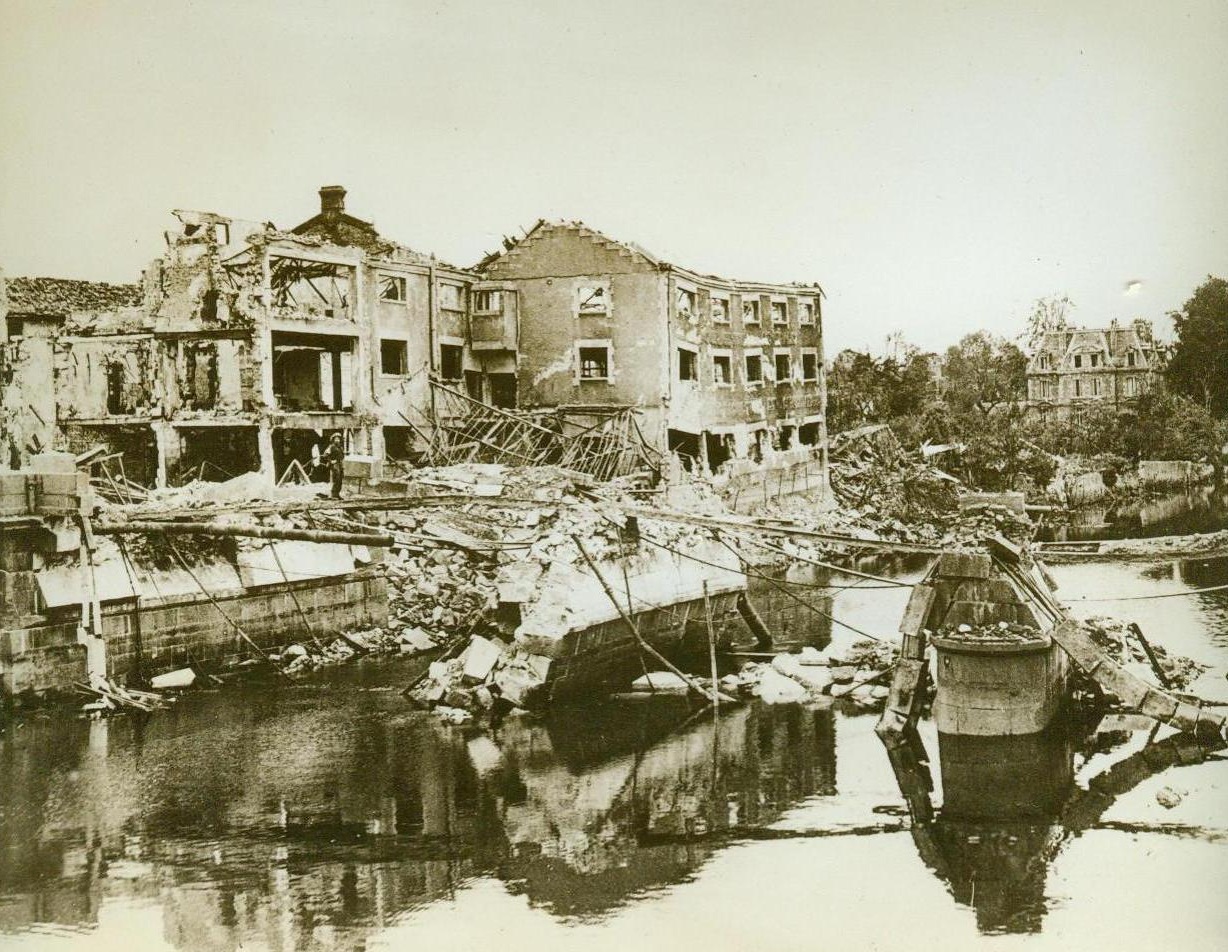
(936,166)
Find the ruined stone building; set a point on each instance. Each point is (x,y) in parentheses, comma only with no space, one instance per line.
(1077,365)
(718,367)
(245,347)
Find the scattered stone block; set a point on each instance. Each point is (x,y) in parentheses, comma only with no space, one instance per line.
(479,658)
(660,681)
(775,688)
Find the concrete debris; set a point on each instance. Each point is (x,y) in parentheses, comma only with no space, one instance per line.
(1115,638)
(479,658)
(660,681)
(111,698)
(1168,798)
(183,678)
(776,688)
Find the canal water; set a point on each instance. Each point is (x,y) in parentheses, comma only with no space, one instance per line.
(328,815)
(1201,509)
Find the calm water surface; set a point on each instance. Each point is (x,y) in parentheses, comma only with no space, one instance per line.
(1202,509)
(327,815)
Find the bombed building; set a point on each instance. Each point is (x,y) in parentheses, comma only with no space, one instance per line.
(245,347)
(719,368)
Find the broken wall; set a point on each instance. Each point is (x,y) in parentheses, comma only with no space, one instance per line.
(210,377)
(211,275)
(102,377)
(27,410)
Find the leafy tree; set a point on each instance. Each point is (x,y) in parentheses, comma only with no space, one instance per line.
(982,372)
(1199,365)
(863,389)
(1000,452)
(1048,314)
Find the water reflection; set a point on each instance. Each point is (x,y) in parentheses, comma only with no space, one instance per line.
(1204,509)
(282,820)
(1011,803)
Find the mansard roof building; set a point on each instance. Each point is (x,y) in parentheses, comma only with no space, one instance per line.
(1117,363)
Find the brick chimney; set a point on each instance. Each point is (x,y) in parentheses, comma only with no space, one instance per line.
(332,200)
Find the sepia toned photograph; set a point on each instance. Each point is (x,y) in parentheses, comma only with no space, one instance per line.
(606,475)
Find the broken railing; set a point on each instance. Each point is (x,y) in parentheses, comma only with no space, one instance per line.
(600,442)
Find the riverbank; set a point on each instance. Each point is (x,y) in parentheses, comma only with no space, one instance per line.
(1158,548)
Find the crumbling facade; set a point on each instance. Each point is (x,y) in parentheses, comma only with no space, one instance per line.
(1111,364)
(718,368)
(246,347)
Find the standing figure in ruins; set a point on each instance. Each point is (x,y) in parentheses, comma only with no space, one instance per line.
(334,458)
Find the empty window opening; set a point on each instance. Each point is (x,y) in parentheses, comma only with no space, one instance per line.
(721,371)
(199,382)
(503,390)
(450,297)
(720,310)
(473,384)
(594,363)
(686,446)
(1078,361)
(754,368)
(1095,360)
(780,313)
(788,437)
(684,302)
(688,362)
(720,449)
(221,233)
(398,442)
(810,366)
(119,399)
(451,361)
(808,434)
(393,357)
(593,300)
(392,288)
(784,368)
(14,326)
(1130,359)
(805,312)
(750,310)
(208,305)
(487,301)
(311,372)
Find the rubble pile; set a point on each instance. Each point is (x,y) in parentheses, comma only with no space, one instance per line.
(1120,643)
(850,667)
(871,470)
(312,654)
(1001,633)
(489,675)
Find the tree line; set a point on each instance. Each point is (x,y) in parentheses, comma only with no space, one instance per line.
(974,396)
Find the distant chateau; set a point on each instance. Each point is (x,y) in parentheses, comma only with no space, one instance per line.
(1117,363)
